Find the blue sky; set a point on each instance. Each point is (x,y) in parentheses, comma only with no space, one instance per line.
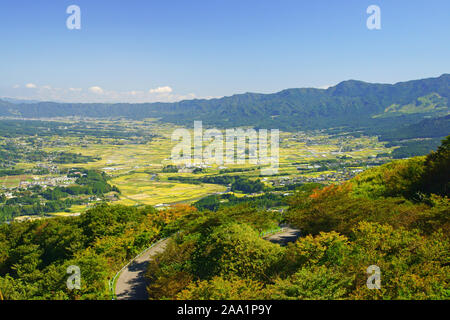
(146,50)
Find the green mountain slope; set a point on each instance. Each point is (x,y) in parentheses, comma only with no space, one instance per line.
(428,128)
(431,103)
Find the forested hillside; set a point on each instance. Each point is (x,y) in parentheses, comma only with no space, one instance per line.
(34,256)
(427,128)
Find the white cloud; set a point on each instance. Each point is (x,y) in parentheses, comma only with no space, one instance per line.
(94,94)
(96,90)
(16,86)
(189,96)
(165,89)
(326,86)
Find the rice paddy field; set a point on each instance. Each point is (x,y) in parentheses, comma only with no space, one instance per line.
(136,168)
(14,181)
(138,188)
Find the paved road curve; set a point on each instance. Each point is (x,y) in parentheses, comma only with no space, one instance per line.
(131,283)
(288,234)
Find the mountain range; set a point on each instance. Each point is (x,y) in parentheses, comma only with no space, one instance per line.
(352,103)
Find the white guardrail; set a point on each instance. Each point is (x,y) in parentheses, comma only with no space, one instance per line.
(112,289)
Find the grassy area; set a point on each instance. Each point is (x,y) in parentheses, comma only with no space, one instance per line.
(137,188)
(72,210)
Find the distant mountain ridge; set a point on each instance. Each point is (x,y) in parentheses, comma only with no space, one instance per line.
(350,103)
(18,101)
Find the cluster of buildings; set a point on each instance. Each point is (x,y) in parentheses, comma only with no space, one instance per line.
(190,168)
(337,176)
(49,167)
(47,182)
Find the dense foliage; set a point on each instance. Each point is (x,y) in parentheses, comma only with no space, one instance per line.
(236,183)
(427,128)
(265,201)
(34,256)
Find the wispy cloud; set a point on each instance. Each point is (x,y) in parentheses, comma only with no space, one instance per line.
(96,90)
(30,86)
(165,89)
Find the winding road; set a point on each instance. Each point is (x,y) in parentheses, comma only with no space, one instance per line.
(132,284)
(286,235)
